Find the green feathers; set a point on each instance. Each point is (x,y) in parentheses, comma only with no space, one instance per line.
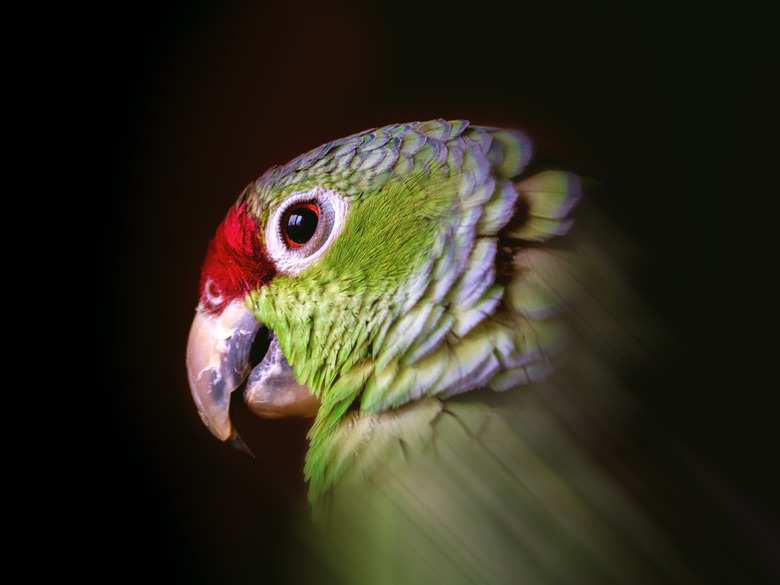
(549,197)
(426,291)
(427,280)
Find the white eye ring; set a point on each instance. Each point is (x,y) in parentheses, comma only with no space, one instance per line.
(332,212)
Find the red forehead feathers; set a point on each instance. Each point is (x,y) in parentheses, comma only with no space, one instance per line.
(236,261)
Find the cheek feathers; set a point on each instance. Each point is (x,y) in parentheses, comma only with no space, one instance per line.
(236,261)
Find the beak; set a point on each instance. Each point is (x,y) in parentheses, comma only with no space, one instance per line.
(218,362)
(272,390)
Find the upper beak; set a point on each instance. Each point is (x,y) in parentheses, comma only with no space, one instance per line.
(218,362)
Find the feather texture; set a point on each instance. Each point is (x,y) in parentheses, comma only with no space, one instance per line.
(456,342)
(477,490)
(427,291)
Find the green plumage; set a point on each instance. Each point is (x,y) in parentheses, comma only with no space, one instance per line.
(429,330)
(408,302)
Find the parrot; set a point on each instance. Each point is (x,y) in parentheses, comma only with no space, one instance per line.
(420,292)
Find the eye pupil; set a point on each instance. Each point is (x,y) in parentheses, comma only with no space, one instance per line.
(299,223)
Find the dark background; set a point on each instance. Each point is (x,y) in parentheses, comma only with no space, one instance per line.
(173,109)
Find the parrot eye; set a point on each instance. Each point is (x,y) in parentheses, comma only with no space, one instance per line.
(299,223)
(303,226)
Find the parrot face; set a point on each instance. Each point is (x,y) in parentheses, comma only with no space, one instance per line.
(379,269)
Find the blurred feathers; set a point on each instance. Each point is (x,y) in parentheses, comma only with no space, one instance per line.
(476,353)
(516,487)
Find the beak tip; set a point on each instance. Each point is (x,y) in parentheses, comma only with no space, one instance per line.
(217,423)
(238,444)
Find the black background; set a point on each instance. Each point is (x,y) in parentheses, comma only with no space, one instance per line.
(173,109)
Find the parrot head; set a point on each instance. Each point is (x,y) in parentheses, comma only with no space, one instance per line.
(378,269)
(224,331)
